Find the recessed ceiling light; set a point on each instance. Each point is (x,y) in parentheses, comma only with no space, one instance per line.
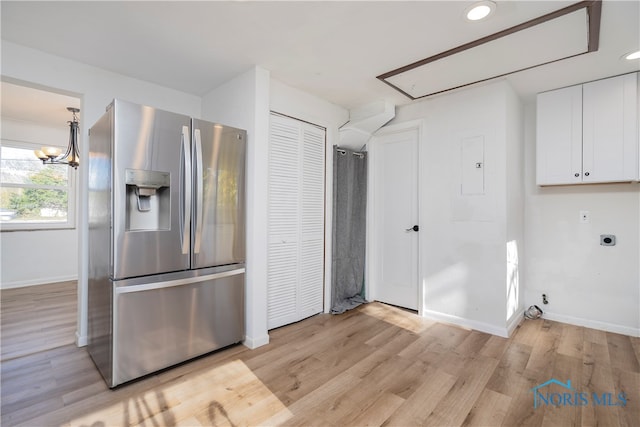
(479,10)
(633,55)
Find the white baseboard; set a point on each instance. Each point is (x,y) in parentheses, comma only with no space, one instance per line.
(81,340)
(467,323)
(515,320)
(39,281)
(254,343)
(593,324)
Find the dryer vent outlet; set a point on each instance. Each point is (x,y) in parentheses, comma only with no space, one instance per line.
(607,240)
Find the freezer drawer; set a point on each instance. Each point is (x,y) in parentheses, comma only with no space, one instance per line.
(157,325)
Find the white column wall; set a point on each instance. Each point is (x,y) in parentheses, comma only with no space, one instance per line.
(243,102)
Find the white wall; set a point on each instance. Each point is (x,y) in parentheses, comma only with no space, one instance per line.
(303,106)
(34,257)
(464,238)
(38,257)
(96,88)
(244,103)
(587,284)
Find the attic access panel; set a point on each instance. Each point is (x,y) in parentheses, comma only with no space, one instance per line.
(565,33)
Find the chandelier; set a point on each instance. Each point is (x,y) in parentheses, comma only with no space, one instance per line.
(54,156)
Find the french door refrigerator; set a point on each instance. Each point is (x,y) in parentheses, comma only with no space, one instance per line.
(166,239)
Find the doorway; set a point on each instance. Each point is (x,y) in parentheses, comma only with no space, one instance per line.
(394,233)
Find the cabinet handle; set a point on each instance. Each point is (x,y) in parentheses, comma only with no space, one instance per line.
(576,175)
(586,174)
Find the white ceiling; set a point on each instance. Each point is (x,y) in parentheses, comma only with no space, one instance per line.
(36,106)
(332,49)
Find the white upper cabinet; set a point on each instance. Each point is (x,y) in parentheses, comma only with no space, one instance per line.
(588,133)
(559,137)
(610,135)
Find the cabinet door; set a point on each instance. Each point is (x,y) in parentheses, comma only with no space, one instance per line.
(559,137)
(610,136)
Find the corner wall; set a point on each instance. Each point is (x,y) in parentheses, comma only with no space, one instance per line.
(464,237)
(515,209)
(586,284)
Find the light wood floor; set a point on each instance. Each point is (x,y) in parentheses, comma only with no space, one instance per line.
(376,365)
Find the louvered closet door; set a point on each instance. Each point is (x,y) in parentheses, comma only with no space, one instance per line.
(312,222)
(295,221)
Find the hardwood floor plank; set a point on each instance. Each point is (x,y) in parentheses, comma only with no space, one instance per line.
(396,375)
(37,318)
(521,411)
(419,406)
(400,317)
(543,354)
(495,347)
(527,331)
(375,365)
(596,373)
(449,336)
(628,383)
(597,378)
(456,405)
(516,356)
(376,411)
(304,409)
(418,347)
(566,368)
(571,341)
(489,410)
(622,352)
(473,343)
(594,336)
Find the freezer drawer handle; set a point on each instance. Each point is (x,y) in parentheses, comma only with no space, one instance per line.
(179,282)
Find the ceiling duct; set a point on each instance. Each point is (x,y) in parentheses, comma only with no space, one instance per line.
(363,122)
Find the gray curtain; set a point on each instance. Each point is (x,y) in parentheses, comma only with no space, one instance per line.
(349,227)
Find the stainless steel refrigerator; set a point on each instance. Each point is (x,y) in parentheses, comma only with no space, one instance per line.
(166,239)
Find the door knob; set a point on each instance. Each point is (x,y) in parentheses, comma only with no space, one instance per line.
(414,228)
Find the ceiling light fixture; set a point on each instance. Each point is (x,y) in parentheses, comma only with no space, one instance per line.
(479,10)
(633,55)
(51,155)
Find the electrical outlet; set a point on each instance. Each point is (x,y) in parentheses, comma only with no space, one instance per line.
(585,217)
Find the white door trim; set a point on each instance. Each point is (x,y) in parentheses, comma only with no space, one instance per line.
(371,261)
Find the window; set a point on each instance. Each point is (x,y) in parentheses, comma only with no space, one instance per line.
(32,195)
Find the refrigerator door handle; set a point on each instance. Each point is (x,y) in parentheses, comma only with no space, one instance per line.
(199,191)
(186,180)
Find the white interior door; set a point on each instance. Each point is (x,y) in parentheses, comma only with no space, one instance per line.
(395,219)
